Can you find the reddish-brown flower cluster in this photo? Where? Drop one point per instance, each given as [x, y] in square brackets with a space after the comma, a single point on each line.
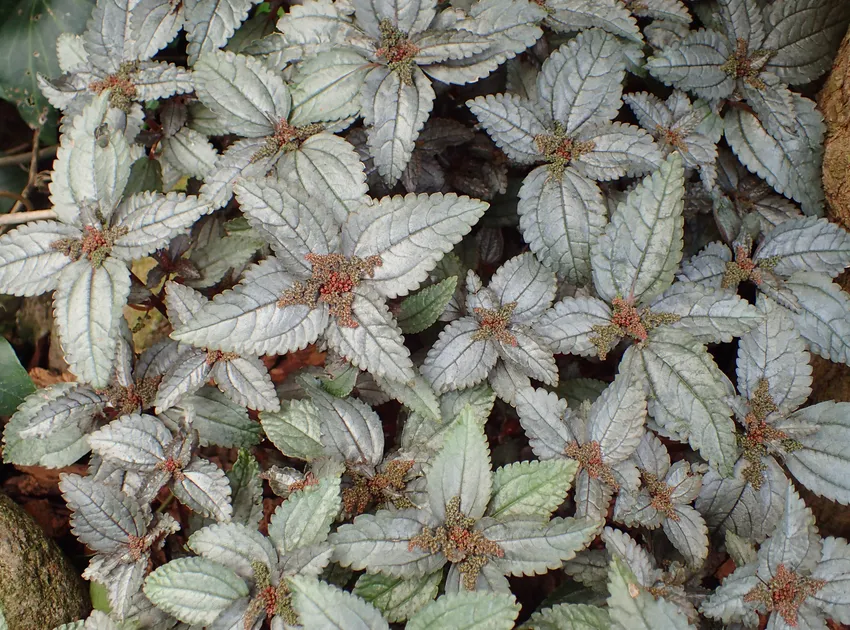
[589, 458]
[785, 593]
[493, 323]
[333, 282]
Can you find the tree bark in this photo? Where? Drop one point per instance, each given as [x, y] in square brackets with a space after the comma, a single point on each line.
[39, 589]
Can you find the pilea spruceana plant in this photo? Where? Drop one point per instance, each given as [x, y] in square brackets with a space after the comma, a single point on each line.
[482, 314]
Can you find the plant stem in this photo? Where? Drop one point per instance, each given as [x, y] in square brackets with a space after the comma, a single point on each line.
[24, 217]
[23, 158]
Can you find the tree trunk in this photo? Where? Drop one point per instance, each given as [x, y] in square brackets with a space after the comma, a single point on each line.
[39, 589]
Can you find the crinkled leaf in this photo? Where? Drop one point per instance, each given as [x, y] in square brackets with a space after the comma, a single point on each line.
[92, 164]
[512, 122]
[533, 546]
[376, 344]
[632, 607]
[822, 319]
[328, 166]
[687, 393]
[709, 315]
[351, 430]
[461, 469]
[806, 244]
[394, 112]
[246, 95]
[637, 256]
[396, 597]
[327, 86]
[688, 533]
[568, 326]
[823, 462]
[87, 306]
[305, 518]
[572, 616]
[103, 517]
[410, 234]
[545, 417]
[320, 605]
[152, 220]
[618, 415]
[530, 488]
[195, 590]
[804, 35]
[295, 430]
[457, 359]
[134, 442]
[581, 82]
[775, 352]
[791, 165]
[467, 611]
[204, 489]
[248, 320]
[694, 65]
[210, 23]
[561, 218]
[29, 265]
[235, 546]
[422, 309]
[380, 542]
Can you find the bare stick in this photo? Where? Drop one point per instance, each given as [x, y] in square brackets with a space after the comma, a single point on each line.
[24, 217]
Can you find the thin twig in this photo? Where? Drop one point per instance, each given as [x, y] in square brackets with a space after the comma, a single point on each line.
[20, 200]
[31, 177]
[24, 217]
[23, 158]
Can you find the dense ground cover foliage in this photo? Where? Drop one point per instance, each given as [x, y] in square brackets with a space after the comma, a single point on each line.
[558, 269]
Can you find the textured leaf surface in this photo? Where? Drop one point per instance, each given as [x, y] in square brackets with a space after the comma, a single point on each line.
[296, 430]
[774, 351]
[376, 344]
[581, 82]
[102, 516]
[545, 417]
[194, 590]
[320, 605]
[461, 469]
[694, 65]
[823, 464]
[561, 219]
[397, 598]
[394, 112]
[210, 23]
[791, 165]
[29, 265]
[687, 395]
[709, 315]
[533, 547]
[381, 542]
[246, 95]
[530, 488]
[512, 122]
[637, 256]
[87, 307]
[410, 234]
[641, 610]
[421, 310]
[458, 360]
[807, 244]
[467, 611]
[247, 319]
[804, 35]
[822, 318]
[305, 518]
